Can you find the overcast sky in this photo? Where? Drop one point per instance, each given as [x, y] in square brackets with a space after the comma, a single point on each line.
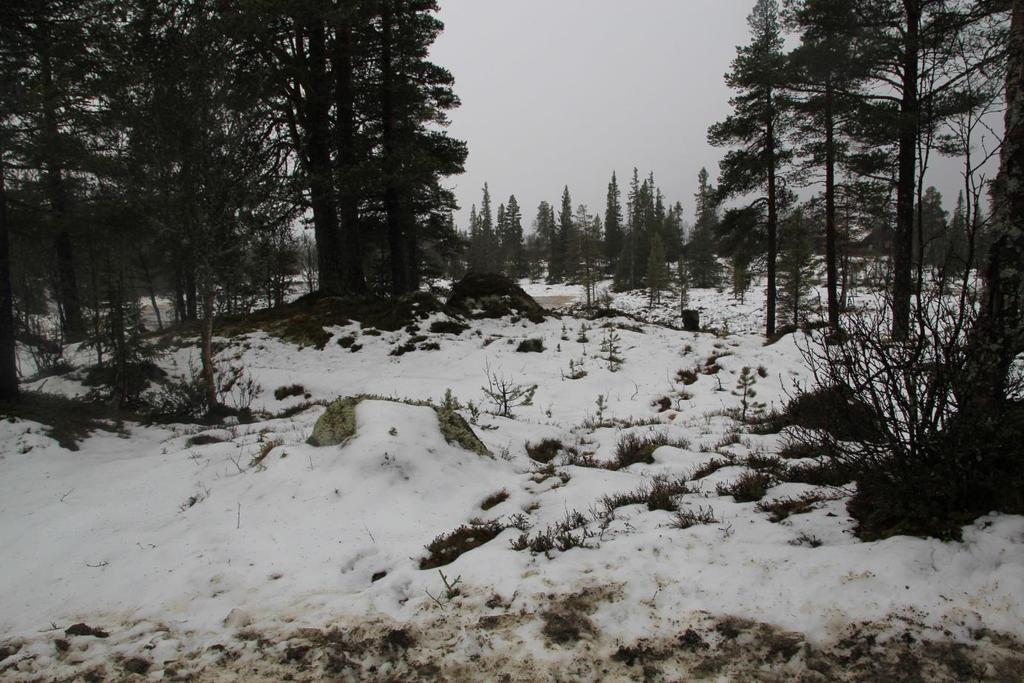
[558, 92]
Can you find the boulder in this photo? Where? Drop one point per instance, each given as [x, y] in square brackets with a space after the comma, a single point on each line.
[338, 424]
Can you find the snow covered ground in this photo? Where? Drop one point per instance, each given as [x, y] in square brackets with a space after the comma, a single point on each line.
[259, 557]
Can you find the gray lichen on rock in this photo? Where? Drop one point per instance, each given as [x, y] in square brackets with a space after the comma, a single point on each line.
[456, 430]
[338, 424]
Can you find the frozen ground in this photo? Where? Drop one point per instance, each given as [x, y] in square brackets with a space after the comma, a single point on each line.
[200, 563]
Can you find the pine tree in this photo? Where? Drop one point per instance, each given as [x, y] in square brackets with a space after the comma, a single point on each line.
[796, 266]
[544, 232]
[931, 240]
[740, 275]
[8, 352]
[518, 266]
[997, 338]
[613, 225]
[827, 73]
[756, 127]
[413, 96]
[626, 273]
[657, 273]
[702, 262]
[560, 241]
[503, 253]
[683, 280]
[488, 236]
[588, 231]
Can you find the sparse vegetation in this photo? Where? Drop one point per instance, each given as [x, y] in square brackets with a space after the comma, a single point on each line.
[748, 487]
[783, 508]
[633, 448]
[506, 394]
[447, 548]
[544, 451]
[494, 500]
[686, 518]
[531, 346]
[571, 532]
[283, 392]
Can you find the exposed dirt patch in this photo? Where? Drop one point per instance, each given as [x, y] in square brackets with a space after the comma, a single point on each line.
[457, 643]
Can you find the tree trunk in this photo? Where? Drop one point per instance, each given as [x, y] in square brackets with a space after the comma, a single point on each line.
[67, 285]
[830, 208]
[773, 232]
[191, 295]
[318, 158]
[209, 374]
[999, 336]
[353, 277]
[147, 273]
[903, 239]
[8, 349]
[393, 201]
[179, 295]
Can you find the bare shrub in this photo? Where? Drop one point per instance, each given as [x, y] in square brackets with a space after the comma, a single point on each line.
[895, 422]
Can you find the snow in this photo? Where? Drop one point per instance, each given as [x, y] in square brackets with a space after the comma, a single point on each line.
[176, 548]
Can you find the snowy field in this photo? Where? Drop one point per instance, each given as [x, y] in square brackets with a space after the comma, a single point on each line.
[259, 557]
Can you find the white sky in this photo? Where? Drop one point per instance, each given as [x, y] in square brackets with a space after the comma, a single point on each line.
[558, 92]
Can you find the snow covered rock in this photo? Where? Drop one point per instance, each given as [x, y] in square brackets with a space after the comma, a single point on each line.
[338, 424]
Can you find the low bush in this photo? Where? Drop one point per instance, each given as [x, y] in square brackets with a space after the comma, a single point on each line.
[494, 499]
[632, 448]
[545, 451]
[566, 534]
[824, 472]
[783, 508]
[284, 392]
[448, 327]
[447, 548]
[684, 519]
[797, 450]
[264, 451]
[687, 377]
[530, 346]
[748, 487]
[710, 467]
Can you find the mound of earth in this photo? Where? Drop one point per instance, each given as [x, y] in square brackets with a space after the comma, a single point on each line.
[338, 424]
[489, 295]
[303, 321]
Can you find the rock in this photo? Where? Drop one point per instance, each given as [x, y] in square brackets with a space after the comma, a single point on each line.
[456, 430]
[238, 618]
[338, 424]
[489, 295]
[691, 320]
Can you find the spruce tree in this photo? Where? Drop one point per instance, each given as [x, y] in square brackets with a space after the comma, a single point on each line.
[683, 281]
[828, 71]
[757, 127]
[518, 266]
[796, 266]
[657, 273]
[701, 258]
[560, 240]
[613, 225]
[502, 254]
[413, 96]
